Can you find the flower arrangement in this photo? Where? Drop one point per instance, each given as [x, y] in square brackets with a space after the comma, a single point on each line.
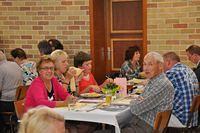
[111, 88]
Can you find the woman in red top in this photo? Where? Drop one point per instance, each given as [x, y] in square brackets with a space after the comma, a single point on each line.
[88, 82]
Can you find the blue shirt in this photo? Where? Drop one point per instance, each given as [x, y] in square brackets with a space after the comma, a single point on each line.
[184, 81]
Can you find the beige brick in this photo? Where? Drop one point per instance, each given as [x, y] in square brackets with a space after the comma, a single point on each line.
[194, 25]
[186, 31]
[194, 14]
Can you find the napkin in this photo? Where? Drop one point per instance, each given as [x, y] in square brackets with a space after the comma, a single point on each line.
[72, 80]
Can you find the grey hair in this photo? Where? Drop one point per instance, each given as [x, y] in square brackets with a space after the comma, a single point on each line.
[155, 55]
[2, 56]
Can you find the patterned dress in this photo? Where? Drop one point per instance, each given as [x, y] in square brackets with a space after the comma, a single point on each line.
[128, 71]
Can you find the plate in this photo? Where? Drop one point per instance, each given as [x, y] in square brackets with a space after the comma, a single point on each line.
[136, 81]
[91, 95]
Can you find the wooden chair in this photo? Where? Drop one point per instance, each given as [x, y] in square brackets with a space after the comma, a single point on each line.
[9, 121]
[19, 108]
[161, 121]
[21, 92]
[195, 107]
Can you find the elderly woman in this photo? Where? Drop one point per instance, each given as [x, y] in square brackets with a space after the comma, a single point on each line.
[45, 89]
[62, 73]
[28, 68]
[131, 67]
[42, 120]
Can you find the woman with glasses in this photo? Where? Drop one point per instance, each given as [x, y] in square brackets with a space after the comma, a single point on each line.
[45, 89]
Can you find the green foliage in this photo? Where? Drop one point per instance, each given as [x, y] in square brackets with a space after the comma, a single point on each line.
[110, 88]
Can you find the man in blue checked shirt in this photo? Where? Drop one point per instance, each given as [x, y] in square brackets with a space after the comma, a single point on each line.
[185, 84]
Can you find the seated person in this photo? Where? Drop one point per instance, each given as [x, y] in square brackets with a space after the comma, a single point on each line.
[44, 48]
[157, 97]
[88, 83]
[185, 85]
[131, 67]
[42, 120]
[63, 75]
[55, 44]
[45, 89]
[28, 68]
[193, 53]
[10, 80]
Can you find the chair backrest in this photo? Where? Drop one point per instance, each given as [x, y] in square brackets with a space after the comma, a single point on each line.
[19, 108]
[195, 104]
[161, 121]
[21, 92]
[195, 107]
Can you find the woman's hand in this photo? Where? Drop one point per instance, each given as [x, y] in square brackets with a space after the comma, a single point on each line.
[96, 88]
[109, 80]
[71, 100]
[70, 73]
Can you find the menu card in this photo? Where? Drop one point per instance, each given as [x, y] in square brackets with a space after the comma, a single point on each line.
[122, 82]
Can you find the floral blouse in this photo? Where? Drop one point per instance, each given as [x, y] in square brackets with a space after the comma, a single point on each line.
[29, 72]
[128, 71]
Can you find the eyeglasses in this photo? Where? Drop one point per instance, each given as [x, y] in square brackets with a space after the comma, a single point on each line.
[47, 68]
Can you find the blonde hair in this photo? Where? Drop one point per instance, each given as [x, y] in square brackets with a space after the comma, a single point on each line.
[39, 120]
[57, 53]
[43, 59]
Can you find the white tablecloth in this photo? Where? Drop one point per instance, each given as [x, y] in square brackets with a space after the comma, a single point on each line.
[99, 116]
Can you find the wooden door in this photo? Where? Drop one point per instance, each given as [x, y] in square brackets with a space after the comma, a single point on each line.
[115, 25]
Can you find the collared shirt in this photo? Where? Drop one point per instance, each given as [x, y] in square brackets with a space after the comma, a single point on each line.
[128, 71]
[184, 81]
[157, 97]
[10, 79]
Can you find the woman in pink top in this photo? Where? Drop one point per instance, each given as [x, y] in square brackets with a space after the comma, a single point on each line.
[45, 89]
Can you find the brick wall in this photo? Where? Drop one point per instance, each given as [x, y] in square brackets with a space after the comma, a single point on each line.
[23, 23]
[172, 25]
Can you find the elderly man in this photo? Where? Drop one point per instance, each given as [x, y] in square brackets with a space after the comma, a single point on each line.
[193, 53]
[184, 81]
[10, 79]
[158, 96]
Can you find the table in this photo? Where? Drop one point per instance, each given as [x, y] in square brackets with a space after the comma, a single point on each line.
[115, 118]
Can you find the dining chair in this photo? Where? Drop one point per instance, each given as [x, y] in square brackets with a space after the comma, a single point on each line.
[194, 108]
[21, 92]
[161, 121]
[8, 121]
[19, 108]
